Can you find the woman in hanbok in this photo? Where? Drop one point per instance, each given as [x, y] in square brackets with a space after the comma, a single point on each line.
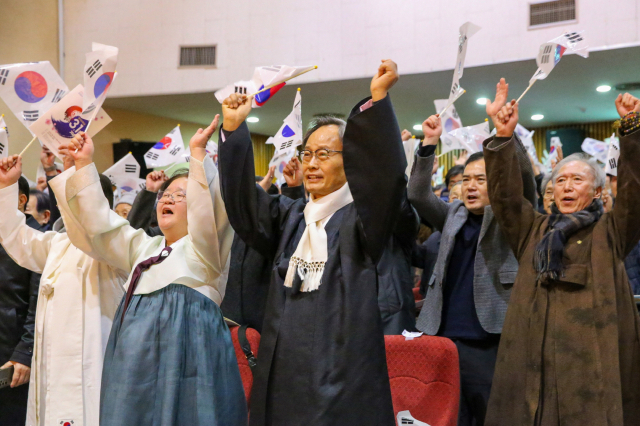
[170, 359]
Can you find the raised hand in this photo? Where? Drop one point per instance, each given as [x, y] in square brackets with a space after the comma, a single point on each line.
[41, 183]
[293, 172]
[47, 159]
[10, 170]
[504, 115]
[235, 109]
[627, 103]
[80, 149]
[405, 135]
[198, 143]
[385, 78]
[432, 129]
[462, 160]
[155, 180]
[265, 183]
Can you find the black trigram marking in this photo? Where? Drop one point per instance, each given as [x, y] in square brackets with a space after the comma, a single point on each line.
[142, 185]
[175, 150]
[4, 73]
[463, 40]
[31, 115]
[612, 163]
[546, 52]
[286, 144]
[406, 421]
[1, 148]
[152, 156]
[538, 73]
[57, 96]
[93, 69]
[89, 109]
[574, 37]
[455, 88]
[241, 90]
[129, 168]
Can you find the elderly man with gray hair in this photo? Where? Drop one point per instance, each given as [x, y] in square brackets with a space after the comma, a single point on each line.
[570, 348]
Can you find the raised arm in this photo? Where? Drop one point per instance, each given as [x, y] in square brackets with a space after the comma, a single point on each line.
[143, 206]
[514, 212]
[626, 211]
[374, 162]
[256, 216]
[26, 246]
[430, 207]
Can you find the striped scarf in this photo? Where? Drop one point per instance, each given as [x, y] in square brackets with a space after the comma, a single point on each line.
[547, 259]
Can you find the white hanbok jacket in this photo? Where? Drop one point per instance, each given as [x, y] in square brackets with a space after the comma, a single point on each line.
[77, 301]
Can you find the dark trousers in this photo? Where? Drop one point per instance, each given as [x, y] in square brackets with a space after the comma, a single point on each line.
[477, 364]
[13, 405]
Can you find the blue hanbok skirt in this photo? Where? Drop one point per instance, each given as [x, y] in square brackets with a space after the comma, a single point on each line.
[171, 362]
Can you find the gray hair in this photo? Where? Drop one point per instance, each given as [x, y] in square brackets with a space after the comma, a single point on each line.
[597, 171]
[324, 120]
[545, 181]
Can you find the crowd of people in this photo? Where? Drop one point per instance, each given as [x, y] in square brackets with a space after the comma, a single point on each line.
[113, 312]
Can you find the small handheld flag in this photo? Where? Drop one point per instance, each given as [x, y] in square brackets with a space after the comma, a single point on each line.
[167, 151]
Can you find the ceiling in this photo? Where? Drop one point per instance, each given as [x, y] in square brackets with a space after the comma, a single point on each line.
[568, 95]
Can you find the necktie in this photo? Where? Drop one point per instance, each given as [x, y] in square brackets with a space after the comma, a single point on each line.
[137, 273]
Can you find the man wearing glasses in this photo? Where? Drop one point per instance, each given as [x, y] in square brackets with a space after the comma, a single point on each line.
[322, 356]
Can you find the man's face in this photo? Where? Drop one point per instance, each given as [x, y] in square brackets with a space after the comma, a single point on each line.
[32, 209]
[324, 177]
[123, 210]
[453, 180]
[574, 187]
[455, 193]
[474, 187]
[548, 197]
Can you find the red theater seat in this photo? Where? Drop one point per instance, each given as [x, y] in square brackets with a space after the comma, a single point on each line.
[245, 371]
[425, 378]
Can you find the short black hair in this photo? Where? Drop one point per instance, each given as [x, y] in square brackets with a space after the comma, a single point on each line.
[107, 189]
[23, 188]
[476, 156]
[454, 171]
[42, 200]
[177, 176]
[321, 121]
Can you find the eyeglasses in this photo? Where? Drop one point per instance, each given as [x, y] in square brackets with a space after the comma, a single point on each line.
[176, 197]
[320, 154]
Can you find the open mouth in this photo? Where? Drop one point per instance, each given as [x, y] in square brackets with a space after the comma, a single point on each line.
[166, 211]
[313, 178]
[568, 200]
[472, 198]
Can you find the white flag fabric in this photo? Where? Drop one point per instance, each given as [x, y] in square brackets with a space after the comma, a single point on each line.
[280, 160]
[31, 89]
[613, 156]
[595, 148]
[167, 151]
[290, 133]
[65, 119]
[274, 75]
[439, 176]
[466, 30]
[410, 148]
[550, 53]
[122, 172]
[99, 73]
[212, 151]
[450, 119]
[405, 418]
[4, 138]
[469, 138]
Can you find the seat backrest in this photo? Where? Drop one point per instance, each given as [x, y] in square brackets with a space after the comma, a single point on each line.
[425, 378]
[245, 371]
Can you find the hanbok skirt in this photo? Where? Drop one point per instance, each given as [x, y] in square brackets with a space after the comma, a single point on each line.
[171, 362]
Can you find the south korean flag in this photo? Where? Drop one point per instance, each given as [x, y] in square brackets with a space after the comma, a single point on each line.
[167, 151]
[290, 133]
[99, 73]
[30, 89]
[4, 138]
[123, 171]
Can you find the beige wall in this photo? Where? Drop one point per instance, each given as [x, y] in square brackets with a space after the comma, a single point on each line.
[28, 33]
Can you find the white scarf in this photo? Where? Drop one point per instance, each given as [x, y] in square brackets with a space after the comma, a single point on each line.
[312, 252]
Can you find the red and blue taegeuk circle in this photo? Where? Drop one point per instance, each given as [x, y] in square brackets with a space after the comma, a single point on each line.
[102, 83]
[31, 87]
[163, 144]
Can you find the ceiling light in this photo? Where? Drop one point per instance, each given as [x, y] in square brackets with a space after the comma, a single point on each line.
[253, 119]
[417, 127]
[481, 101]
[603, 88]
[537, 117]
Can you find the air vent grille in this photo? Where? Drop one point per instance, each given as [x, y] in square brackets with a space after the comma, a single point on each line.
[198, 56]
[551, 12]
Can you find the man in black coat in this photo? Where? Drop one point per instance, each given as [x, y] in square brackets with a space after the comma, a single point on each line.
[322, 355]
[18, 297]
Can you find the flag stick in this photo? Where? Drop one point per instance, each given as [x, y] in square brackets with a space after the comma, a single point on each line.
[274, 85]
[28, 145]
[527, 89]
[451, 103]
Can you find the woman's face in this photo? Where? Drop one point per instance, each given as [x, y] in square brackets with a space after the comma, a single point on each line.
[172, 213]
[548, 197]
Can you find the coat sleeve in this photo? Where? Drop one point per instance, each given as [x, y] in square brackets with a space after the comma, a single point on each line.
[24, 350]
[53, 204]
[430, 207]
[514, 212]
[91, 224]
[26, 246]
[210, 233]
[257, 217]
[375, 163]
[529, 186]
[626, 211]
[140, 214]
